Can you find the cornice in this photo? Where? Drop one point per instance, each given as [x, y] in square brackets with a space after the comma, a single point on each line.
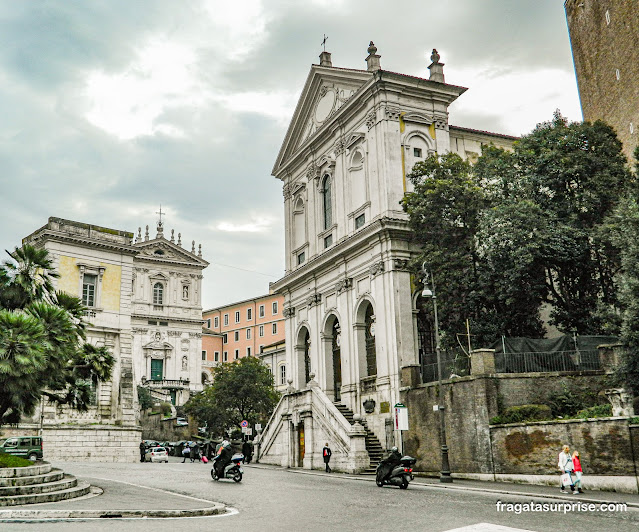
[166, 318]
[385, 227]
[51, 235]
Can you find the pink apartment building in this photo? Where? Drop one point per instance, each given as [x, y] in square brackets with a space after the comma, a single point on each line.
[241, 329]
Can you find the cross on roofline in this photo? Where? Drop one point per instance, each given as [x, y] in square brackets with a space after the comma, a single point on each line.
[160, 213]
[324, 41]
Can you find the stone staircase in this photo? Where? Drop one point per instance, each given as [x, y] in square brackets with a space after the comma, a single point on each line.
[374, 448]
[38, 483]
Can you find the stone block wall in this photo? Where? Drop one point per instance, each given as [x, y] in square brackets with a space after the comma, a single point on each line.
[470, 402]
[604, 445]
[155, 427]
[98, 443]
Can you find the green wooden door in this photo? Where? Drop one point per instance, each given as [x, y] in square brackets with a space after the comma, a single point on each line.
[156, 369]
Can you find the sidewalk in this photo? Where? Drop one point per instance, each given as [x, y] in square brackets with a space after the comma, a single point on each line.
[111, 499]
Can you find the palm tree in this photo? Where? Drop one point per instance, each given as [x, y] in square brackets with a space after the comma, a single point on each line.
[23, 364]
[30, 277]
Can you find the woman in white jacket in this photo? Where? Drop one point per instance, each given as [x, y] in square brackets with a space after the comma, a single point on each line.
[565, 466]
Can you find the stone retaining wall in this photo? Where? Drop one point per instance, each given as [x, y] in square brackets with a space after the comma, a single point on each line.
[99, 443]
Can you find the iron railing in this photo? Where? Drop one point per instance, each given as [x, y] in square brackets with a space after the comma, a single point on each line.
[454, 364]
[537, 362]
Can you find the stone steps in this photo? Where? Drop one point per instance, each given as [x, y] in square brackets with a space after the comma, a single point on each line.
[38, 483]
[53, 475]
[82, 488]
[374, 448]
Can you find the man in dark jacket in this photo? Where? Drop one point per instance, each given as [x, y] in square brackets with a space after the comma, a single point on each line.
[388, 463]
[142, 451]
[224, 458]
[326, 453]
[247, 451]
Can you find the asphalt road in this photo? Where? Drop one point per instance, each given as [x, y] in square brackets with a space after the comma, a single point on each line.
[273, 499]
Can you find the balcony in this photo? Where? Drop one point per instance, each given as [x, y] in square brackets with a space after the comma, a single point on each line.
[167, 384]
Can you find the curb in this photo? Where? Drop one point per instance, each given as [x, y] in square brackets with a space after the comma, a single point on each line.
[13, 515]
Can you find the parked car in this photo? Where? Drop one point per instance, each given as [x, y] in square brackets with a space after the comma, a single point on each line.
[29, 447]
[151, 443]
[156, 454]
[168, 446]
[181, 422]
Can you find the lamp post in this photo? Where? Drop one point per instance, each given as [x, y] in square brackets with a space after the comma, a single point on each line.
[426, 292]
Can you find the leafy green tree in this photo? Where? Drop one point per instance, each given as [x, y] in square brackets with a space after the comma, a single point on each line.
[523, 228]
[241, 390]
[42, 340]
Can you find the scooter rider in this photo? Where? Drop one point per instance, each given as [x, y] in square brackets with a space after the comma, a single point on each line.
[390, 462]
[225, 454]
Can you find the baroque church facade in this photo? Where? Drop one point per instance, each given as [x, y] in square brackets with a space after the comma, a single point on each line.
[349, 298]
[143, 302]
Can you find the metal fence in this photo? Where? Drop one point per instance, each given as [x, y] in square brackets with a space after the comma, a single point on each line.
[538, 362]
[454, 363]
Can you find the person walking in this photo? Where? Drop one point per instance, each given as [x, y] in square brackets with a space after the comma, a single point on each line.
[247, 451]
[576, 462]
[566, 467]
[142, 451]
[326, 453]
[186, 452]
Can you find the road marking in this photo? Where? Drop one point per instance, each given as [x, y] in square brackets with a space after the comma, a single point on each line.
[487, 527]
[154, 489]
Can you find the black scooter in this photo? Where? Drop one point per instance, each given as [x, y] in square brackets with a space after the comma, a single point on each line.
[232, 470]
[400, 475]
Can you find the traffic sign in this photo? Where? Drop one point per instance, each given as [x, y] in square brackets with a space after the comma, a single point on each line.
[244, 423]
[258, 427]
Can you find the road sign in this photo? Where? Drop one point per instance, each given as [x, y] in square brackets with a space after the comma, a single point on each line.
[244, 429]
[249, 432]
[244, 423]
[401, 417]
[258, 427]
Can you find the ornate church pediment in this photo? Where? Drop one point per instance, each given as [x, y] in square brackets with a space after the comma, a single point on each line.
[157, 350]
[321, 99]
[162, 250]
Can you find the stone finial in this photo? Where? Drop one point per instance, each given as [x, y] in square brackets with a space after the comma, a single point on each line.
[139, 237]
[193, 246]
[173, 235]
[199, 250]
[146, 234]
[436, 68]
[180, 239]
[372, 61]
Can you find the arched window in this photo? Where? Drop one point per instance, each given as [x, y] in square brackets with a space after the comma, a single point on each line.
[369, 335]
[307, 357]
[327, 204]
[283, 374]
[158, 294]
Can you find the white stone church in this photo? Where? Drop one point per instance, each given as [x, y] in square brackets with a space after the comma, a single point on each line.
[144, 303]
[349, 299]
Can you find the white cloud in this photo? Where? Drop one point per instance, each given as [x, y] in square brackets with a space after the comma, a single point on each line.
[518, 99]
[128, 104]
[258, 225]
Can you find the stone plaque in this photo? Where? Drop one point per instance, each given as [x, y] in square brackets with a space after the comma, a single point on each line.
[384, 407]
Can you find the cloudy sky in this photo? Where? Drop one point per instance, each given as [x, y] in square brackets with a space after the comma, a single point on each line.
[110, 108]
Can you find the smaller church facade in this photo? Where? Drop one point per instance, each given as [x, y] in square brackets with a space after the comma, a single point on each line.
[143, 303]
[349, 297]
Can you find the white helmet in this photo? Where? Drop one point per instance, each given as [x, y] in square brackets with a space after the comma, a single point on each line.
[394, 449]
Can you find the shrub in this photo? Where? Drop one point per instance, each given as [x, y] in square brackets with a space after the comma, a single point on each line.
[165, 408]
[567, 403]
[595, 411]
[8, 460]
[522, 414]
[144, 398]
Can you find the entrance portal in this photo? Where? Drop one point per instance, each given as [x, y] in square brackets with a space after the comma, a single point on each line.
[337, 361]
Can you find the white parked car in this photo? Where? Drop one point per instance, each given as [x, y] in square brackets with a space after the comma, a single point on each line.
[181, 422]
[156, 454]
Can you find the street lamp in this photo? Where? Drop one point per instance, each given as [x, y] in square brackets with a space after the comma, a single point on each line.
[430, 293]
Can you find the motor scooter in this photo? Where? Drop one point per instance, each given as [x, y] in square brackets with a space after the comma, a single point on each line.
[400, 475]
[232, 470]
